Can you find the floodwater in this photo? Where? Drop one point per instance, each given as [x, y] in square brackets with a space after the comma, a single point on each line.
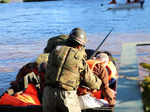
[26, 27]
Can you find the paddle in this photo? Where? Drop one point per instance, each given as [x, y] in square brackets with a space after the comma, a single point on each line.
[101, 44]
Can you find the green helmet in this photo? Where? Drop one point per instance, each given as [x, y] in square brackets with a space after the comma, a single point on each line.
[78, 35]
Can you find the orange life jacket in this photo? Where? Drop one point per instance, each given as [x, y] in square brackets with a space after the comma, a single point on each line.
[28, 97]
[111, 71]
[92, 63]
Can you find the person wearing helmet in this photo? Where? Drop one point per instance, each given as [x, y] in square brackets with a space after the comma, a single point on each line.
[60, 39]
[42, 59]
[78, 35]
[65, 70]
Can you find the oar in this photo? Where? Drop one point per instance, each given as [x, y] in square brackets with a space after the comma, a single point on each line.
[101, 44]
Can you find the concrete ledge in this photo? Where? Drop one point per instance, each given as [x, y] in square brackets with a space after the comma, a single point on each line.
[128, 91]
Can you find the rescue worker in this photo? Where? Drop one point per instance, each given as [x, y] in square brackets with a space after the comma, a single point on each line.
[66, 68]
[57, 40]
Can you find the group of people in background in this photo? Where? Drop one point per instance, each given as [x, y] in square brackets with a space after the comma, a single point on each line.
[127, 1]
[141, 2]
[63, 72]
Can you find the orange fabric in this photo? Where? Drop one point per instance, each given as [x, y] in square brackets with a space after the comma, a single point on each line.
[97, 94]
[82, 90]
[31, 90]
[6, 99]
[92, 63]
[110, 67]
[111, 71]
[29, 97]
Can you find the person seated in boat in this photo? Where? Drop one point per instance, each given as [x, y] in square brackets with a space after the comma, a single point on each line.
[26, 89]
[108, 62]
[32, 72]
[105, 92]
[19, 83]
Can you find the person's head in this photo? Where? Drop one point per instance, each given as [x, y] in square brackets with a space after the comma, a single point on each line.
[103, 58]
[78, 37]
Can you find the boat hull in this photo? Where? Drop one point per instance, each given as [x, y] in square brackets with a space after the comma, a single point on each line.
[7, 108]
[124, 6]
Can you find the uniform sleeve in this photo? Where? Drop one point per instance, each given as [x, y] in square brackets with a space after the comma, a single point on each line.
[52, 42]
[89, 78]
[50, 45]
[84, 53]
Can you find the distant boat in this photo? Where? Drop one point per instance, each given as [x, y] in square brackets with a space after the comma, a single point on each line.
[120, 6]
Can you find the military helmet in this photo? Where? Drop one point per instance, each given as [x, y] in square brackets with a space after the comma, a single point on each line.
[78, 35]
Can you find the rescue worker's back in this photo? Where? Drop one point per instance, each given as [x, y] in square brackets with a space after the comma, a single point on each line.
[65, 66]
[65, 70]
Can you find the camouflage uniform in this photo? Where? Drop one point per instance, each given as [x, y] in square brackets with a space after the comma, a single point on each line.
[42, 58]
[66, 68]
[52, 42]
[59, 40]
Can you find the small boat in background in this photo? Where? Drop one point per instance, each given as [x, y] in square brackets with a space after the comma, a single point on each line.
[113, 5]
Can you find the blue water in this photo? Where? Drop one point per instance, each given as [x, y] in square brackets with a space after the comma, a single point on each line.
[26, 27]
